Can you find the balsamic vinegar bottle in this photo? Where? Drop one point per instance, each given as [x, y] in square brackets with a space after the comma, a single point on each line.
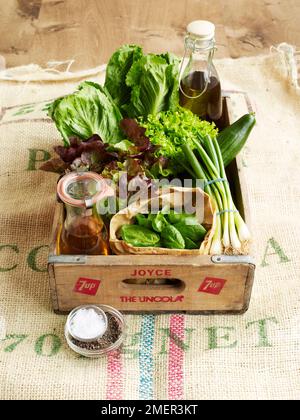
[200, 88]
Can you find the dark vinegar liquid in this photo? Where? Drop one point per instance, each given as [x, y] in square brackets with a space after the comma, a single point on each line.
[85, 238]
[209, 105]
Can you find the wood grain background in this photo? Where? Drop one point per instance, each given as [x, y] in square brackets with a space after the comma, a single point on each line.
[89, 30]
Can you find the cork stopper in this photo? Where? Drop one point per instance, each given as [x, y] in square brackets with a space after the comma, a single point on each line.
[201, 29]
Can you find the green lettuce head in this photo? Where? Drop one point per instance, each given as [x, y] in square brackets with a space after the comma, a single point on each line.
[88, 111]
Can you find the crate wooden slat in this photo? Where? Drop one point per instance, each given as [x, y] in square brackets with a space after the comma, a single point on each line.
[197, 285]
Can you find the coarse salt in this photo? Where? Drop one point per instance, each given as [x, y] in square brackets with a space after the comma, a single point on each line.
[87, 324]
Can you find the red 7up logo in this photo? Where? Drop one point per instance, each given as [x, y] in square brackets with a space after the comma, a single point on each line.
[87, 286]
[212, 286]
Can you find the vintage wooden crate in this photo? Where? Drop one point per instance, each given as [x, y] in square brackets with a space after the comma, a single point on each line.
[196, 285]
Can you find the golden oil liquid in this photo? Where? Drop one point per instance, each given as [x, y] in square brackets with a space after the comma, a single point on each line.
[209, 105]
[87, 236]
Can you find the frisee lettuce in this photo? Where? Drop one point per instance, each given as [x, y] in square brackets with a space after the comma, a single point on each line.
[171, 129]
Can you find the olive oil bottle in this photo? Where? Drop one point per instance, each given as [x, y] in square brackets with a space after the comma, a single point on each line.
[200, 87]
[83, 231]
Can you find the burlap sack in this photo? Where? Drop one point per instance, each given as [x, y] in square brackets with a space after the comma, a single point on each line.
[254, 356]
[172, 198]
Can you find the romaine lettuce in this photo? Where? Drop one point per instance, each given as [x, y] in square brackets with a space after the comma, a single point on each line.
[116, 72]
[153, 80]
[143, 84]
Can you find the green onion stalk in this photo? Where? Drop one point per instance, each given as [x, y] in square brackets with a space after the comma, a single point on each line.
[230, 235]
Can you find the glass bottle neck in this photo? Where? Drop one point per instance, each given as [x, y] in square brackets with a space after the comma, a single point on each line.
[201, 52]
[196, 45]
[72, 211]
[75, 216]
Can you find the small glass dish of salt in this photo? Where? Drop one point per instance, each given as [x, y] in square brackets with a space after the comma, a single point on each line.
[94, 330]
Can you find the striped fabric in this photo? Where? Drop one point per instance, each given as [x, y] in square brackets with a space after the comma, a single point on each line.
[115, 387]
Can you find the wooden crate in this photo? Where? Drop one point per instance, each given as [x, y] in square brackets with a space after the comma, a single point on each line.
[196, 285]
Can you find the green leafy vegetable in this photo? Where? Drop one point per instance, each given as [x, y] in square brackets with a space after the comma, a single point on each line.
[172, 238]
[143, 84]
[88, 111]
[153, 82]
[174, 217]
[189, 244]
[187, 233]
[159, 223]
[144, 221]
[125, 146]
[161, 169]
[173, 75]
[116, 72]
[139, 236]
[171, 130]
[191, 229]
[158, 245]
[135, 83]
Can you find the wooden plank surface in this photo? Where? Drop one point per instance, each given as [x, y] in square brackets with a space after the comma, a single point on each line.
[177, 297]
[89, 30]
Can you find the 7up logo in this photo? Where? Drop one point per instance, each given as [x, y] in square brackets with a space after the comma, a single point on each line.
[87, 286]
[212, 286]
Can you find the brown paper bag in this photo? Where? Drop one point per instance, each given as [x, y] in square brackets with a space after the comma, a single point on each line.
[171, 198]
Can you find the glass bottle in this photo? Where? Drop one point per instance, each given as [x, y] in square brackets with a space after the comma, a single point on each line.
[83, 231]
[200, 88]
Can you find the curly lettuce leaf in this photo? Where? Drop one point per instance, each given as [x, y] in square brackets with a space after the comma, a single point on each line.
[170, 130]
[116, 72]
[88, 111]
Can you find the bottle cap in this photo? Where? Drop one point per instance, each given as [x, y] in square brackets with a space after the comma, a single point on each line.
[202, 29]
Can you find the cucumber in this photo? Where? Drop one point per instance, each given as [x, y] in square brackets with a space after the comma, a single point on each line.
[233, 138]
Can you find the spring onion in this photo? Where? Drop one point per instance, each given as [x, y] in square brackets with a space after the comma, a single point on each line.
[231, 235]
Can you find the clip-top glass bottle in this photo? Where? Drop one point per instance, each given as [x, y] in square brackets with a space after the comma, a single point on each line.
[200, 88]
[83, 231]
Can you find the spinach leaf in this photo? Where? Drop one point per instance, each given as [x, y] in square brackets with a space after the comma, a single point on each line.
[158, 245]
[189, 244]
[172, 238]
[139, 236]
[159, 223]
[144, 221]
[191, 230]
[174, 217]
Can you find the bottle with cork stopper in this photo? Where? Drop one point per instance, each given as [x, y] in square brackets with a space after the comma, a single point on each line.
[200, 87]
